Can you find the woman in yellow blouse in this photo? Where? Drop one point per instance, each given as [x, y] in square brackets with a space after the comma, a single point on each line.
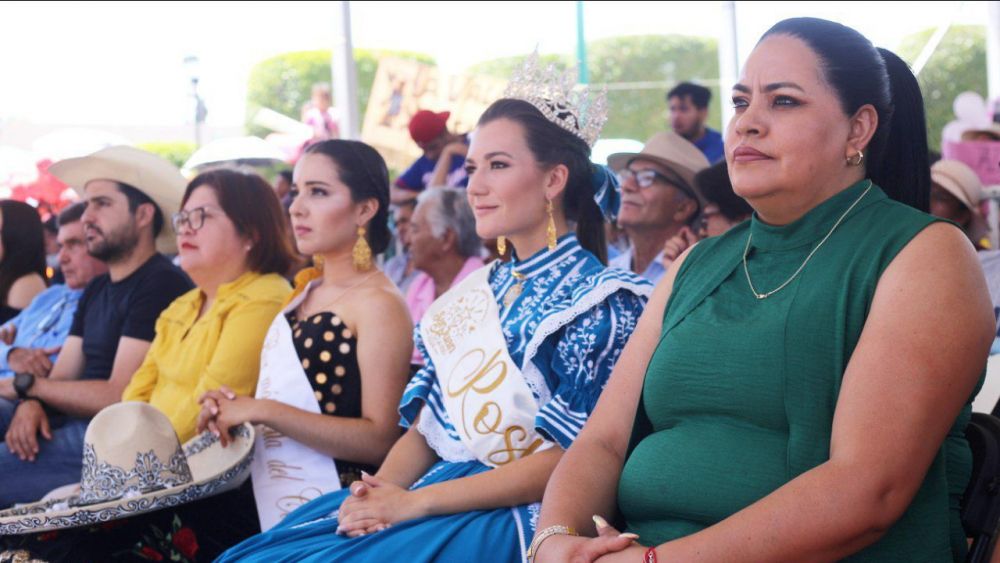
[233, 242]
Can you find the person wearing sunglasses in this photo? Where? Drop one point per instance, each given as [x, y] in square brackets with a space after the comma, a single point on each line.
[659, 199]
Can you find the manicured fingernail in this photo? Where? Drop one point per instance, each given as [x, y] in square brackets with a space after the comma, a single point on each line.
[215, 411]
[339, 530]
[600, 522]
[629, 535]
[365, 473]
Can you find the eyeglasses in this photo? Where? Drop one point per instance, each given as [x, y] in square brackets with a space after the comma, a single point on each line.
[646, 178]
[643, 178]
[194, 219]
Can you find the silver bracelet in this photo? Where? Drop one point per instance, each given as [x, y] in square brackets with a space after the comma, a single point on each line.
[558, 530]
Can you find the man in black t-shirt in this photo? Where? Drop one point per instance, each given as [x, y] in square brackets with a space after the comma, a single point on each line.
[130, 194]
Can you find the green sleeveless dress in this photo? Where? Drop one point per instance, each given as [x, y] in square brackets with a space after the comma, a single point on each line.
[740, 393]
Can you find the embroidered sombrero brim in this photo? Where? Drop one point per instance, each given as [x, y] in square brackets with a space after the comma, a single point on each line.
[214, 470]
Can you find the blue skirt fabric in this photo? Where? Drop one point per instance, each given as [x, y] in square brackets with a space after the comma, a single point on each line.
[309, 533]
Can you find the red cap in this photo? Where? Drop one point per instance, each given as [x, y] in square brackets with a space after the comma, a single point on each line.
[425, 126]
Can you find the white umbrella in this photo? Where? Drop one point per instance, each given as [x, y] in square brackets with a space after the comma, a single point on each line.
[252, 151]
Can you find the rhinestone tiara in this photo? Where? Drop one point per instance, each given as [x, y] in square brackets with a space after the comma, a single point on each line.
[577, 109]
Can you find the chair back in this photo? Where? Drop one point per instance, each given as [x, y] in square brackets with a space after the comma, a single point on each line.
[981, 501]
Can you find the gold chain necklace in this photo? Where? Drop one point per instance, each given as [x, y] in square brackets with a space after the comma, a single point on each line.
[515, 290]
[746, 251]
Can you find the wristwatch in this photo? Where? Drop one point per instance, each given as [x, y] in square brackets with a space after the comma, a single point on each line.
[22, 384]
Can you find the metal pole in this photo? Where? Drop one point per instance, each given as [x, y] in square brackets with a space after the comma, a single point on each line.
[581, 46]
[345, 74]
[993, 50]
[729, 61]
[197, 113]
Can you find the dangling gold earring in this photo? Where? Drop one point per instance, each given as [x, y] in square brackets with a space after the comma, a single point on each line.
[501, 245]
[362, 253]
[318, 262]
[550, 232]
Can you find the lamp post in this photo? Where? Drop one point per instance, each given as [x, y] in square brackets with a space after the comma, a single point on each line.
[191, 63]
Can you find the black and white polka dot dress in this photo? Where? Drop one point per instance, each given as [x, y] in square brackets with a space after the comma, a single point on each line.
[329, 356]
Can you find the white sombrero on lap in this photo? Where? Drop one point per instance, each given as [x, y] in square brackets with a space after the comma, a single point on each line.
[133, 463]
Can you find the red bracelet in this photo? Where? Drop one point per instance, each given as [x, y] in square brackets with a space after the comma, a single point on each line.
[650, 556]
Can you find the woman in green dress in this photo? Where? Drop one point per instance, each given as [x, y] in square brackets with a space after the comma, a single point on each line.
[800, 384]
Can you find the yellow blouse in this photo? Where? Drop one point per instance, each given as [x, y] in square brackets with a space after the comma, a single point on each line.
[191, 355]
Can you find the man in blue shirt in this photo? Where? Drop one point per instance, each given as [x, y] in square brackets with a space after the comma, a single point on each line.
[30, 342]
[443, 161]
[688, 113]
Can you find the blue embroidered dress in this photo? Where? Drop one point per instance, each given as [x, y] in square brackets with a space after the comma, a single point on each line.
[566, 331]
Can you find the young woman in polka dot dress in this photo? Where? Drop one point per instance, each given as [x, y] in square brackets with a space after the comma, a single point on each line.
[346, 326]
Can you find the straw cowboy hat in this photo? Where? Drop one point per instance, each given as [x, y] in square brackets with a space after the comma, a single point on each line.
[960, 181]
[673, 151]
[133, 463]
[150, 174]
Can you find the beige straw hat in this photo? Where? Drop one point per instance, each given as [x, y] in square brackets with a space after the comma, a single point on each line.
[673, 151]
[148, 173]
[133, 463]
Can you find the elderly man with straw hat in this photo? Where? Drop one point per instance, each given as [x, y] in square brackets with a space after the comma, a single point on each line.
[130, 196]
[659, 200]
[955, 194]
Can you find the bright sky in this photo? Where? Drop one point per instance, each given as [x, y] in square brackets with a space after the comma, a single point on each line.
[121, 63]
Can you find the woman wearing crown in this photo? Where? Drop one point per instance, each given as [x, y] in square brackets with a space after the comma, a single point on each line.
[517, 354]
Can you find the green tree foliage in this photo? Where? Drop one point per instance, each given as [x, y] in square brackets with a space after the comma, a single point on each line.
[660, 61]
[177, 152]
[284, 82]
[639, 71]
[957, 65]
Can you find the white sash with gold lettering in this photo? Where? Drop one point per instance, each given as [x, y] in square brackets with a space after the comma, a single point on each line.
[286, 474]
[489, 403]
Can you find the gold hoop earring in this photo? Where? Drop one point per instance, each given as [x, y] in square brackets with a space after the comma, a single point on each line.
[550, 232]
[362, 253]
[501, 245]
[856, 160]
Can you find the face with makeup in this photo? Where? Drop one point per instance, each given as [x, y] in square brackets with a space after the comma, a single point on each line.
[325, 217]
[788, 140]
[507, 186]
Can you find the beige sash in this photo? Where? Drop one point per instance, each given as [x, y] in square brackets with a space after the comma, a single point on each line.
[484, 392]
[286, 474]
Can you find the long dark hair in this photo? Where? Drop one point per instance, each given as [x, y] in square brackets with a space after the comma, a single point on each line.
[23, 242]
[896, 157]
[253, 207]
[552, 145]
[362, 169]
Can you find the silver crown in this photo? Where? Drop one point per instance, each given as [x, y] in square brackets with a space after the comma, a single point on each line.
[577, 109]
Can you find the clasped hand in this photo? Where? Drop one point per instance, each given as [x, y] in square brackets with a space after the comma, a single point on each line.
[222, 409]
[609, 546]
[376, 504]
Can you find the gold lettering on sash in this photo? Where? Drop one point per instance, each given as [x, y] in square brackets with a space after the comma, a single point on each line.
[476, 376]
[272, 438]
[289, 503]
[277, 469]
[510, 451]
